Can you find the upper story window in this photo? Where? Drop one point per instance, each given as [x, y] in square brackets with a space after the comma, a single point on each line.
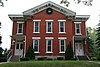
[19, 27]
[36, 26]
[61, 26]
[77, 28]
[49, 26]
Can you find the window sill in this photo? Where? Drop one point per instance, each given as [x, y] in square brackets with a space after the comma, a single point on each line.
[61, 52]
[36, 52]
[49, 32]
[49, 52]
[78, 34]
[36, 32]
[19, 33]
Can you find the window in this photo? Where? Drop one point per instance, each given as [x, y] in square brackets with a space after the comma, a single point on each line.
[77, 29]
[61, 26]
[20, 28]
[49, 27]
[62, 45]
[36, 26]
[49, 46]
[36, 45]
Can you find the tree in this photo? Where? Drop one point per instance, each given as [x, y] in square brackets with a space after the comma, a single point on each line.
[98, 41]
[85, 2]
[30, 53]
[69, 52]
[2, 3]
[91, 41]
[1, 50]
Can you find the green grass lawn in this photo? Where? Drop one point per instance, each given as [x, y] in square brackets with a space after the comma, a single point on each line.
[53, 63]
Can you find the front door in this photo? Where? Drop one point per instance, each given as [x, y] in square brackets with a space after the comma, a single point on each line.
[19, 49]
[79, 49]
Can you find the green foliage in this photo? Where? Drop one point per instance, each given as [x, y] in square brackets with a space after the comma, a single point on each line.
[1, 50]
[30, 53]
[98, 42]
[91, 41]
[69, 52]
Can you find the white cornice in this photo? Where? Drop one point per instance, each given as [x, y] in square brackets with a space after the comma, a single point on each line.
[46, 5]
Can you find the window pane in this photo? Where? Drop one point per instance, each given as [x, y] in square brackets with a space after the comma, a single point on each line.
[36, 27]
[21, 46]
[49, 27]
[61, 26]
[49, 43]
[78, 28]
[17, 46]
[36, 43]
[62, 45]
[20, 28]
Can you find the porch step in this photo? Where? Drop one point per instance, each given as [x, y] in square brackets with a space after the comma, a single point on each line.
[82, 58]
[15, 58]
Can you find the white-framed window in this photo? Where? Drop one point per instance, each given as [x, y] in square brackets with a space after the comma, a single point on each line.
[49, 43]
[36, 26]
[61, 26]
[36, 45]
[62, 44]
[19, 28]
[49, 27]
[78, 28]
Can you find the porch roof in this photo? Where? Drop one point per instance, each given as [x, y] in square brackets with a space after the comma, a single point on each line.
[79, 37]
[18, 37]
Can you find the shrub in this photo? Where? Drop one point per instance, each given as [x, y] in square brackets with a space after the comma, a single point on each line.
[69, 52]
[30, 53]
[3, 59]
[49, 59]
[60, 58]
[25, 59]
[42, 58]
[93, 58]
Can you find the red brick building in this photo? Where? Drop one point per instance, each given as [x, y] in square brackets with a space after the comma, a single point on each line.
[49, 28]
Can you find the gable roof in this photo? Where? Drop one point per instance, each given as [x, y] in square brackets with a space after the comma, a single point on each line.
[52, 5]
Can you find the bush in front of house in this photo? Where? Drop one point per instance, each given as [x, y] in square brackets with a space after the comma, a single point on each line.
[3, 59]
[69, 52]
[25, 59]
[60, 58]
[42, 58]
[30, 53]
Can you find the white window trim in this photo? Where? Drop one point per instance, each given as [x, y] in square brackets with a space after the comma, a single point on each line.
[18, 28]
[78, 22]
[63, 38]
[60, 45]
[36, 20]
[64, 27]
[80, 29]
[49, 37]
[61, 20]
[36, 38]
[38, 28]
[20, 22]
[38, 45]
[47, 45]
[49, 20]
[47, 27]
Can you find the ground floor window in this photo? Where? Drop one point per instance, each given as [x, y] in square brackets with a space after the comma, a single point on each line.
[36, 45]
[49, 45]
[62, 45]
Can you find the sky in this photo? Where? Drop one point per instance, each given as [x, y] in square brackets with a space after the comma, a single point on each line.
[19, 6]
